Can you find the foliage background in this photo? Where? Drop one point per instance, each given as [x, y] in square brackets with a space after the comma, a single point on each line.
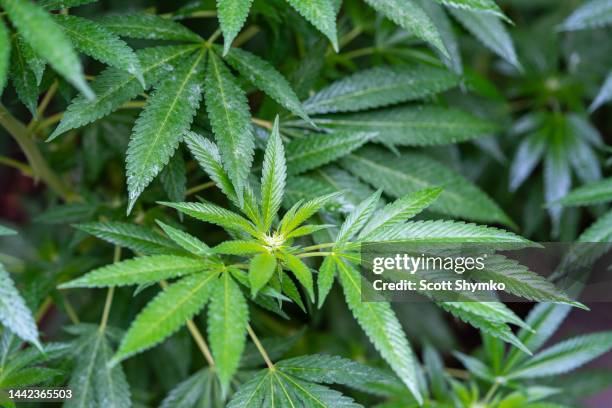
[537, 83]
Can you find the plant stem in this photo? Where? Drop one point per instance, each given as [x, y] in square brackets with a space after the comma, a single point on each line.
[39, 166]
[110, 293]
[311, 254]
[72, 315]
[491, 392]
[263, 123]
[200, 187]
[197, 336]
[260, 347]
[213, 37]
[319, 246]
[22, 167]
[246, 35]
[43, 106]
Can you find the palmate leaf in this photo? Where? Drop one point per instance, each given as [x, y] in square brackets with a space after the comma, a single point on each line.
[265, 77]
[490, 31]
[441, 21]
[300, 271]
[135, 237]
[114, 87]
[39, 30]
[273, 177]
[232, 14]
[604, 95]
[315, 149]
[519, 280]
[230, 118]
[594, 193]
[261, 269]
[93, 381]
[14, 313]
[384, 223]
[208, 157]
[166, 313]
[184, 240]
[382, 327]
[95, 41]
[301, 212]
[592, 14]
[158, 130]
[215, 215]
[22, 77]
[322, 15]
[413, 171]
[413, 126]
[5, 53]
[380, 86]
[544, 320]
[357, 219]
[411, 17]
[482, 316]
[148, 27]
[145, 269]
[482, 6]
[228, 318]
[457, 231]
[565, 356]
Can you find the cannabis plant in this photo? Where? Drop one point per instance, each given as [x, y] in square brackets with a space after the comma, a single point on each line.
[208, 174]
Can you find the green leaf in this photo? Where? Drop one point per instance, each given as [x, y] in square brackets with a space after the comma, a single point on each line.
[314, 149]
[475, 366]
[239, 247]
[479, 6]
[325, 279]
[441, 21]
[5, 54]
[145, 269]
[158, 130]
[489, 30]
[186, 241]
[357, 219]
[301, 272]
[399, 176]
[519, 280]
[14, 313]
[228, 318]
[544, 320]
[408, 15]
[23, 78]
[457, 231]
[135, 237]
[36, 64]
[380, 86]
[174, 178]
[599, 231]
[300, 213]
[62, 4]
[413, 126]
[207, 155]
[384, 223]
[195, 390]
[528, 154]
[261, 269]
[6, 231]
[114, 87]
[565, 356]
[322, 15]
[166, 313]
[230, 119]
[592, 14]
[39, 30]
[265, 77]
[382, 327]
[594, 193]
[488, 317]
[273, 177]
[215, 215]
[148, 27]
[326, 369]
[604, 95]
[93, 381]
[232, 14]
[95, 41]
